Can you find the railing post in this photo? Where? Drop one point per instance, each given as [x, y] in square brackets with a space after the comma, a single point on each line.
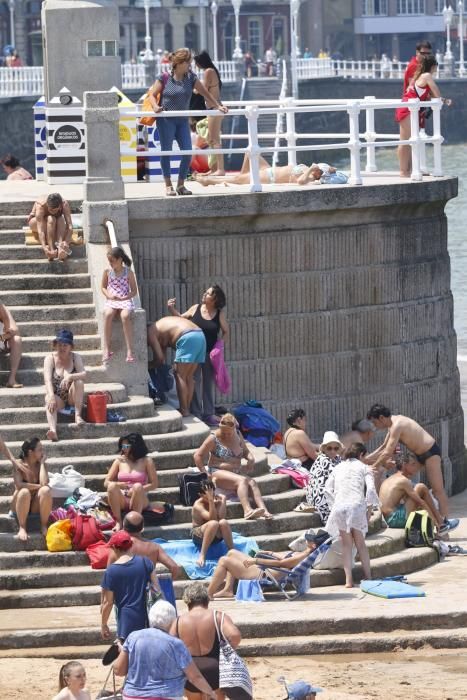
[414, 106]
[370, 137]
[423, 165]
[353, 110]
[437, 137]
[252, 114]
[290, 135]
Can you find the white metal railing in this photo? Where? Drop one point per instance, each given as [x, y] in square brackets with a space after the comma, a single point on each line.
[134, 75]
[227, 70]
[309, 68]
[350, 141]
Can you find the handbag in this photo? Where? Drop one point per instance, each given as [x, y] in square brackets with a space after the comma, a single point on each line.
[233, 671]
[96, 407]
[62, 484]
[98, 554]
[147, 106]
[113, 694]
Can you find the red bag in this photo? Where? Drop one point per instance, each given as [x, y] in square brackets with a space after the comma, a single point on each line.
[96, 407]
[85, 532]
[98, 553]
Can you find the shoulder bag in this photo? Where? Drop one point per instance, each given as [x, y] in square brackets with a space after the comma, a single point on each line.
[233, 671]
[147, 106]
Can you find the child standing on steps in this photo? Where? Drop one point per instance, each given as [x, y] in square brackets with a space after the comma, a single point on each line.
[119, 287]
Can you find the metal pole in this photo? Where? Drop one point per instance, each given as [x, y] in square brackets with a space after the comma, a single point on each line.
[460, 7]
[214, 29]
[11, 6]
[237, 54]
[294, 7]
[202, 26]
[148, 56]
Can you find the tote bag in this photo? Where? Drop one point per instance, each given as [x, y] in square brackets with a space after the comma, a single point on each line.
[64, 483]
[233, 672]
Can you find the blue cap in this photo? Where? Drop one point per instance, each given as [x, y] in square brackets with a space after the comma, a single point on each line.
[64, 336]
[299, 690]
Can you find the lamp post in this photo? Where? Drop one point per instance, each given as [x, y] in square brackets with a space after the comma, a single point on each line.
[11, 7]
[447, 17]
[148, 55]
[214, 8]
[202, 25]
[294, 8]
[237, 54]
[460, 31]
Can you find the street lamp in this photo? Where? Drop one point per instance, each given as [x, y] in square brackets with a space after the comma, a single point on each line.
[447, 17]
[148, 54]
[237, 54]
[11, 7]
[460, 31]
[294, 9]
[214, 8]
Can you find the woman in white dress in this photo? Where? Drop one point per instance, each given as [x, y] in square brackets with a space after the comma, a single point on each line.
[350, 507]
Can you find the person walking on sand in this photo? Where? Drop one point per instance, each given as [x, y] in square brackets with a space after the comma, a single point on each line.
[399, 497]
[119, 287]
[189, 343]
[50, 219]
[417, 440]
[10, 344]
[209, 521]
[351, 507]
[32, 491]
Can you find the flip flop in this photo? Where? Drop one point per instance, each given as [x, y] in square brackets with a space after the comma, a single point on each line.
[14, 386]
[254, 514]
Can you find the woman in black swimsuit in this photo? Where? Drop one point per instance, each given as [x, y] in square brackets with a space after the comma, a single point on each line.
[297, 444]
[210, 317]
[198, 631]
[64, 375]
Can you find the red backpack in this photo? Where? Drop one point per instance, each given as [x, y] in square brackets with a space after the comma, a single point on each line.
[85, 532]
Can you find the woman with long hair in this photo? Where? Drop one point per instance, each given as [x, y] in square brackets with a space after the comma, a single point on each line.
[213, 84]
[423, 88]
[72, 682]
[176, 93]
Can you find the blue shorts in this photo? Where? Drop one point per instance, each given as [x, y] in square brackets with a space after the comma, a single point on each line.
[398, 517]
[191, 347]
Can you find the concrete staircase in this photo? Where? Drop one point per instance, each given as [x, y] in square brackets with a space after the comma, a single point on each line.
[44, 297]
[258, 89]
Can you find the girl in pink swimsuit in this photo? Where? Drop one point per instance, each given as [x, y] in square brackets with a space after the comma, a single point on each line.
[119, 287]
[131, 477]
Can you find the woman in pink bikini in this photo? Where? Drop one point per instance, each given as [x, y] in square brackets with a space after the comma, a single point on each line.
[131, 477]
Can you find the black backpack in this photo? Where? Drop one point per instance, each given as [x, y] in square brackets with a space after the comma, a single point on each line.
[190, 486]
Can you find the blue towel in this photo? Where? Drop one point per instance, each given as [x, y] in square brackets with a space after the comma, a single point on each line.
[185, 553]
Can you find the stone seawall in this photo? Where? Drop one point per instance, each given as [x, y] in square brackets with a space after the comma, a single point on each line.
[336, 298]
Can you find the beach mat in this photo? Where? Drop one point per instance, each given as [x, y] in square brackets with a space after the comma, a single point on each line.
[390, 588]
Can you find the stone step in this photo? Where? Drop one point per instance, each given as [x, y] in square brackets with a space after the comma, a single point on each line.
[166, 422]
[46, 296]
[40, 330]
[32, 396]
[11, 235]
[166, 462]
[43, 344]
[137, 407]
[45, 281]
[43, 266]
[35, 360]
[24, 206]
[62, 314]
[283, 501]
[12, 222]
[191, 434]
[35, 377]
[90, 594]
[34, 252]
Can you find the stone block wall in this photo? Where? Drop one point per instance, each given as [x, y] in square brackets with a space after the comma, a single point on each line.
[336, 298]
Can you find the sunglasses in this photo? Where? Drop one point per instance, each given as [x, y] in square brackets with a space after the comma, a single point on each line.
[334, 448]
[425, 53]
[125, 446]
[227, 424]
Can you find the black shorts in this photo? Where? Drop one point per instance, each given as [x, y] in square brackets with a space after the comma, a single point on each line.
[434, 451]
[197, 537]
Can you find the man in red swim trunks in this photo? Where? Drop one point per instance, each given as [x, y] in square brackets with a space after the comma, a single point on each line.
[423, 48]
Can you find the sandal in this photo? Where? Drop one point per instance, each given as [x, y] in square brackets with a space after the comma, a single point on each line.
[130, 358]
[183, 190]
[106, 358]
[16, 385]
[254, 514]
[169, 191]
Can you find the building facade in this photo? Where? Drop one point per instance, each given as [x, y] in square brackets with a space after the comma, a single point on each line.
[357, 29]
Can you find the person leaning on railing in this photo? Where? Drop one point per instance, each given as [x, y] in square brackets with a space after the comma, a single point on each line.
[175, 93]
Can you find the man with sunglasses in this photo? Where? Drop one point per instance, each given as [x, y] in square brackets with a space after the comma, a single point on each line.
[423, 48]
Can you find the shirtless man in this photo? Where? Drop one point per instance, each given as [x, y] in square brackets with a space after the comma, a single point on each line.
[417, 440]
[188, 340]
[133, 523]
[50, 219]
[399, 497]
[11, 339]
[209, 521]
[32, 491]
[297, 444]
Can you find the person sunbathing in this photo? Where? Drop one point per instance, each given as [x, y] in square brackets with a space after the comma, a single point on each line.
[236, 565]
[301, 174]
[209, 521]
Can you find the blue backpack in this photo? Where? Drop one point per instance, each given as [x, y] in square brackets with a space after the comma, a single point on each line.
[257, 425]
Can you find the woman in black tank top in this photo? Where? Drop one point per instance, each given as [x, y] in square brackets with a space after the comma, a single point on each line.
[210, 317]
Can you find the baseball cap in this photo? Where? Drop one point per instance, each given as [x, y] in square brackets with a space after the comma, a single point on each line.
[121, 540]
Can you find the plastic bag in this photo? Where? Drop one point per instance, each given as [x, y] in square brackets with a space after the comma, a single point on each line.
[58, 536]
[63, 483]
